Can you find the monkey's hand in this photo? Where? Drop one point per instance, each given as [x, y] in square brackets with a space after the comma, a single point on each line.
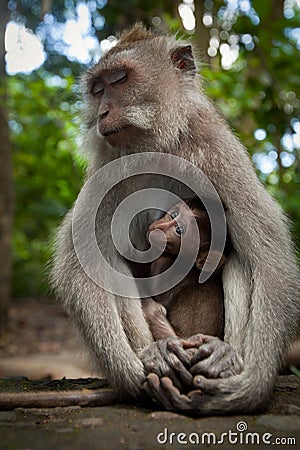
[215, 358]
[168, 358]
[207, 397]
[164, 392]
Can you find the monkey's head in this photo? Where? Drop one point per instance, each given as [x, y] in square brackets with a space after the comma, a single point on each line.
[176, 223]
[141, 88]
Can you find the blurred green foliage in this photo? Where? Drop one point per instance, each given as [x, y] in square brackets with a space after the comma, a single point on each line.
[48, 172]
[260, 91]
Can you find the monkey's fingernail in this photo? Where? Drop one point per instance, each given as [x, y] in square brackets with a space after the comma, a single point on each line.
[198, 381]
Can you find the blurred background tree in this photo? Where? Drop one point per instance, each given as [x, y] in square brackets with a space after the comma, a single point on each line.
[250, 65]
[6, 183]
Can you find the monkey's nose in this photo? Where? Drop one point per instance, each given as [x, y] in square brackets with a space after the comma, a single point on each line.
[164, 226]
[104, 114]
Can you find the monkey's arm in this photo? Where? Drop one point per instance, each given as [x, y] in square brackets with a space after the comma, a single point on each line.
[156, 317]
[167, 356]
[112, 341]
[200, 354]
[261, 289]
[260, 279]
[261, 286]
[114, 328]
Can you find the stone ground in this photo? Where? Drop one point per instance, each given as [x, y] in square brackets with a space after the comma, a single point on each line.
[40, 345]
[135, 428]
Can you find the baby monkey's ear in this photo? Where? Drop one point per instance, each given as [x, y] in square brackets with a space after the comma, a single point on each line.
[182, 58]
[203, 254]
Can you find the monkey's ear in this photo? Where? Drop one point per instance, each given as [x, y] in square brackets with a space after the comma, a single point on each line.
[182, 58]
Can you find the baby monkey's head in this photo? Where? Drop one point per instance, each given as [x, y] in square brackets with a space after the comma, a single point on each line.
[177, 223]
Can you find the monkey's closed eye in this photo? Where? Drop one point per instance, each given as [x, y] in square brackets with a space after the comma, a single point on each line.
[97, 87]
[118, 77]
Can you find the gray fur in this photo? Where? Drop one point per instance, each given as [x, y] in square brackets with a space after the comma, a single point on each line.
[261, 279]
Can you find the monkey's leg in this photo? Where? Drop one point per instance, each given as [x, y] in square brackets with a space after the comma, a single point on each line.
[260, 281]
[108, 324]
[114, 328]
[211, 398]
[215, 358]
[244, 392]
[156, 317]
[166, 357]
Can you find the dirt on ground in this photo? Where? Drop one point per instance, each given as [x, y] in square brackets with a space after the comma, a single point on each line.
[41, 343]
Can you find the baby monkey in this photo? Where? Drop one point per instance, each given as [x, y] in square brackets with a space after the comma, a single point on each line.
[189, 308]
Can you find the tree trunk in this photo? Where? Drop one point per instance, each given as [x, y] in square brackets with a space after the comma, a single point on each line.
[6, 183]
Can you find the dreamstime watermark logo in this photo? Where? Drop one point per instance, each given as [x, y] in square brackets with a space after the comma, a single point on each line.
[111, 200]
[240, 436]
[241, 426]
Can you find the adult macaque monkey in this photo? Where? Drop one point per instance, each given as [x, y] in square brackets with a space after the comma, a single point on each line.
[144, 95]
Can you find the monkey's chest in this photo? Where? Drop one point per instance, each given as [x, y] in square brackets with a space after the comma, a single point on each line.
[198, 309]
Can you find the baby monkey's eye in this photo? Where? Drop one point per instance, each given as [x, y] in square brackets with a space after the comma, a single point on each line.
[173, 214]
[179, 230]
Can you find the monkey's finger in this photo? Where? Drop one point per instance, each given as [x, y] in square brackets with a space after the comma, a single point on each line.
[151, 387]
[153, 380]
[207, 338]
[148, 390]
[209, 365]
[170, 366]
[201, 353]
[233, 367]
[195, 395]
[207, 386]
[193, 341]
[228, 372]
[181, 354]
[212, 365]
[177, 372]
[179, 401]
[154, 389]
[215, 353]
[207, 369]
[222, 363]
[191, 352]
[182, 373]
